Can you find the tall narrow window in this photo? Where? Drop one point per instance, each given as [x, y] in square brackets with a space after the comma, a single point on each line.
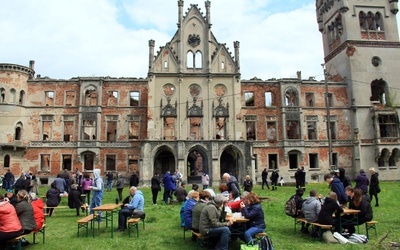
[2, 95]
[198, 60]
[291, 97]
[251, 121]
[330, 100]
[220, 124]
[6, 161]
[313, 160]
[45, 162]
[222, 65]
[67, 162]
[134, 127]
[310, 99]
[272, 161]
[112, 128]
[293, 159]
[388, 126]
[132, 163]
[21, 97]
[169, 128]
[90, 97]
[47, 127]
[69, 127]
[195, 128]
[88, 159]
[18, 132]
[378, 91]
[293, 129]
[249, 99]
[190, 60]
[111, 162]
[134, 100]
[70, 98]
[335, 161]
[333, 130]
[268, 99]
[89, 130]
[13, 95]
[112, 98]
[49, 98]
[312, 127]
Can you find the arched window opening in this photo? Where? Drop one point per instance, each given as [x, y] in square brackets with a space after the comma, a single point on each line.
[18, 132]
[90, 97]
[362, 20]
[378, 91]
[291, 97]
[21, 97]
[6, 161]
[13, 94]
[370, 21]
[198, 60]
[2, 95]
[222, 65]
[165, 64]
[190, 60]
[379, 21]
[394, 158]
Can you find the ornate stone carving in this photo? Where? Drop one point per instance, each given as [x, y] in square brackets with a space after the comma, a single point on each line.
[194, 40]
[168, 110]
[195, 110]
[220, 110]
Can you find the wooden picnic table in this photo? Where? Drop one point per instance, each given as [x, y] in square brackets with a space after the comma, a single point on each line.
[110, 209]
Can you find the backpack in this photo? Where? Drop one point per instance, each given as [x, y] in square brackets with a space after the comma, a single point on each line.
[290, 207]
[266, 243]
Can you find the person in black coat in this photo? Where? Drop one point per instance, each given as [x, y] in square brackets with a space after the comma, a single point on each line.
[358, 201]
[264, 177]
[362, 181]
[374, 188]
[20, 184]
[274, 179]
[329, 208]
[134, 180]
[75, 198]
[52, 198]
[344, 178]
[155, 187]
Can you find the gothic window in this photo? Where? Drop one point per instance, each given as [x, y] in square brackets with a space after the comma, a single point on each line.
[69, 98]
[394, 158]
[309, 99]
[194, 60]
[222, 65]
[362, 20]
[379, 21]
[45, 162]
[49, 98]
[6, 161]
[165, 64]
[21, 97]
[313, 160]
[169, 128]
[388, 126]
[2, 95]
[249, 99]
[383, 158]
[378, 91]
[291, 97]
[190, 60]
[67, 162]
[18, 131]
[91, 97]
[195, 128]
[13, 95]
[268, 98]
[371, 25]
[198, 63]
[134, 98]
[112, 98]
[111, 162]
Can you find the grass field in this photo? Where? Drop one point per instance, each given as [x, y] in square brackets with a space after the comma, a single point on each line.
[163, 229]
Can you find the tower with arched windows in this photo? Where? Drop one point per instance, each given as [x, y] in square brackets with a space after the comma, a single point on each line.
[361, 49]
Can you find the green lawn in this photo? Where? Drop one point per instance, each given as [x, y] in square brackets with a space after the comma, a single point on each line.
[163, 229]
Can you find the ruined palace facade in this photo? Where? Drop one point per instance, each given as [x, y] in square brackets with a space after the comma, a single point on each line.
[193, 112]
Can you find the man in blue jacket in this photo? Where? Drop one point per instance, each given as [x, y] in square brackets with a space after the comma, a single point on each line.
[336, 186]
[135, 206]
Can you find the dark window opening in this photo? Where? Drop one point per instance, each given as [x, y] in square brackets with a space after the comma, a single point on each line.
[313, 158]
[6, 161]
[249, 99]
[388, 127]
[293, 161]
[272, 161]
[67, 162]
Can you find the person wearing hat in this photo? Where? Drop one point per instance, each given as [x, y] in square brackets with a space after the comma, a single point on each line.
[11, 197]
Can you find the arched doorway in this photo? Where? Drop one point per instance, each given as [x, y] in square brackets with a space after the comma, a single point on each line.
[164, 160]
[197, 164]
[231, 162]
[88, 160]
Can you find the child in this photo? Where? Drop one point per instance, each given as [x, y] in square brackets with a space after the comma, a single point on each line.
[281, 181]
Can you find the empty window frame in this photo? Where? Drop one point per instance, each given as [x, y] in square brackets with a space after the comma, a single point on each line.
[195, 128]
[18, 131]
[378, 91]
[270, 122]
[335, 161]
[312, 127]
[272, 161]
[220, 128]
[291, 97]
[6, 161]
[47, 127]
[134, 127]
[45, 162]
[132, 163]
[251, 125]
[69, 122]
[90, 97]
[67, 162]
[88, 159]
[249, 99]
[49, 98]
[310, 100]
[293, 129]
[333, 130]
[198, 63]
[111, 162]
[313, 160]
[21, 97]
[70, 98]
[330, 100]
[370, 21]
[388, 126]
[190, 60]
[12, 95]
[169, 128]
[134, 98]
[112, 98]
[293, 160]
[268, 99]
[89, 130]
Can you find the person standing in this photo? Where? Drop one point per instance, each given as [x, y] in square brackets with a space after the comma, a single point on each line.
[110, 178]
[60, 183]
[34, 185]
[337, 187]
[374, 188]
[169, 186]
[8, 181]
[274, 179]
[155, 187]
[134, 180]
[297, 177]
[98, 191]
[205, 180]
[119, 185]
[86, 184]
[231, 182]
[248, 184]
[134, 207]
[362, 181]
[302, 178]
[264, 177]
[344, 178]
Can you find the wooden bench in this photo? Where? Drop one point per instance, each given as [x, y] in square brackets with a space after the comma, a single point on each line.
[17, 241]
[298, 220]
[84, 222]
[370, 225]
[133, 222]
[42, 230]
[200, 237]
[84, 207]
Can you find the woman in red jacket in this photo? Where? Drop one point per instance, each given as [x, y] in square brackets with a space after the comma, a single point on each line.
[37, 205]
[10, 227]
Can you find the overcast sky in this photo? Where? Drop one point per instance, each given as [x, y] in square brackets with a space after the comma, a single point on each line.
[69, 38]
